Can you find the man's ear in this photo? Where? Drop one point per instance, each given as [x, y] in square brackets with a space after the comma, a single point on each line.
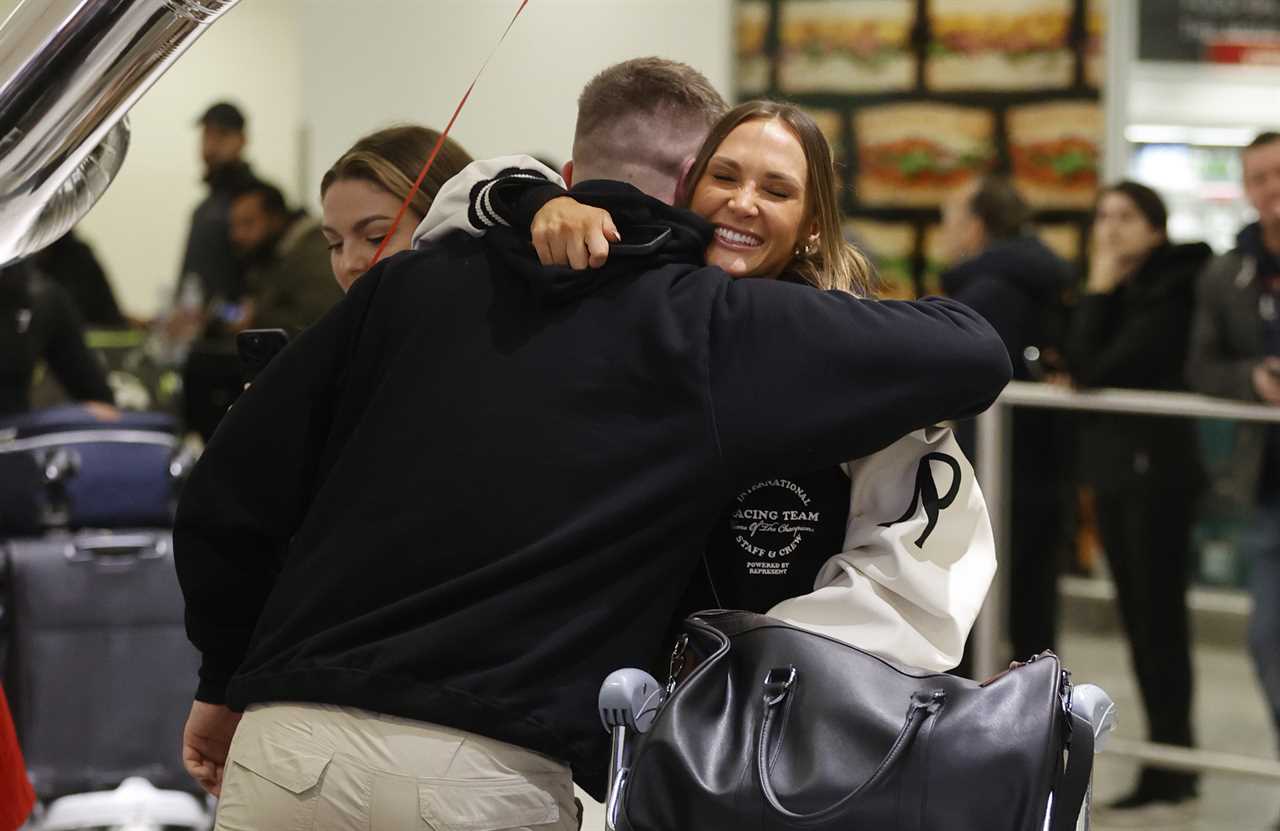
[566, 173]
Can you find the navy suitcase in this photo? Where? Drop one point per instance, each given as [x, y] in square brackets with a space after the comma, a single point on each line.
[64, 468]
[99, 672]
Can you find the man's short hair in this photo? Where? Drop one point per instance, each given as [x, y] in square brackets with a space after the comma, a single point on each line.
[270, 197]
[667, 92]
[999, 207]
[223, 115]
[1263, 139]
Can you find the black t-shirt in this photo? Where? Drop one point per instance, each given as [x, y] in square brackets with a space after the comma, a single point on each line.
[772, 541]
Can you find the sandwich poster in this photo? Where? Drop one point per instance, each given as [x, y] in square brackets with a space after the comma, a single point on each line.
[919, 97]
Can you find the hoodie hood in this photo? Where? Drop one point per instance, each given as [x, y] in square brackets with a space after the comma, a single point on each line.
[1024, 261]
[654, 234]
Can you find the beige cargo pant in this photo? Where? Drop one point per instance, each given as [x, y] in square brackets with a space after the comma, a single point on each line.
[296, 767]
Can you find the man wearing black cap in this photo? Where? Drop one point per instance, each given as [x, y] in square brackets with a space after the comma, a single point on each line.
[210, 264]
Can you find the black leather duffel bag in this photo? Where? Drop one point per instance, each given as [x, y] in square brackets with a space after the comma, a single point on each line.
[780, 728]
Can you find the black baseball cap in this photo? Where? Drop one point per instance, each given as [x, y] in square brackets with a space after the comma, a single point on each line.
[223, 114]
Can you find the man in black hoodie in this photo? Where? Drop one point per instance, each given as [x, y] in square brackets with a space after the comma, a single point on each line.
[477, 486]
[1013, 280]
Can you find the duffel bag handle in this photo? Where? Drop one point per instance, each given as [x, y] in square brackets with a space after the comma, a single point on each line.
[778, 685]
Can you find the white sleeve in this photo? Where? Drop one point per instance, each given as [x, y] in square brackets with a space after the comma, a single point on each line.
[462, 203]
[918, 556]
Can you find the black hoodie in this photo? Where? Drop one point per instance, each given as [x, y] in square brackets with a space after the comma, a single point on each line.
[473, 490]
[1017, 285]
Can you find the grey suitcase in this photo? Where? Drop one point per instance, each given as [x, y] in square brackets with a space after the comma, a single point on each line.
[99, 672]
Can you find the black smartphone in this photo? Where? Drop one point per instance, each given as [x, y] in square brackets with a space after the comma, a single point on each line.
[256, 348]
[640, 241]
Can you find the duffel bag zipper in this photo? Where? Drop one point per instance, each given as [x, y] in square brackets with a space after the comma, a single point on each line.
[1064, 696]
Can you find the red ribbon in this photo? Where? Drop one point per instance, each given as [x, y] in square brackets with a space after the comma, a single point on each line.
[404, 206]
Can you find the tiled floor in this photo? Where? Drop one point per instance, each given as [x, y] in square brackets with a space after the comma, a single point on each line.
[1229, 715]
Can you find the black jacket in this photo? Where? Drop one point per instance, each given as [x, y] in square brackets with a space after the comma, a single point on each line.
[70, 263]
[474, 488]
[209, 257]
[1137, 336]
[39, 323]
[1017, 285]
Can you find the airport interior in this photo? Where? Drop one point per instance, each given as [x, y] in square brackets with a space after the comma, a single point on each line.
[211, 392]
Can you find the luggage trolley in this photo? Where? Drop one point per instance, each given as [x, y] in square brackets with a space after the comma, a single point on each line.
[630, 699]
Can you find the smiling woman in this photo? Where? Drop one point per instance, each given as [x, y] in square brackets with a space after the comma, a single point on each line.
[364, 189]
[764, 177]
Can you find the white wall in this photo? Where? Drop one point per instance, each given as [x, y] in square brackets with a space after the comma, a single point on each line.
[138, 229]
[314, 75]
[527, 98]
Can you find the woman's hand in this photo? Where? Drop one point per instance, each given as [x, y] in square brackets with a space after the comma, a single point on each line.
[567, 233]
[1107, 268]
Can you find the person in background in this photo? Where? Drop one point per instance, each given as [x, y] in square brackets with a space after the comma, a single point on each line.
[1235, 353]
[362, 192]
[286, 256]
[71, 264]
[39, 323]
[211, 273]
[1002, 271]
[1131, 329]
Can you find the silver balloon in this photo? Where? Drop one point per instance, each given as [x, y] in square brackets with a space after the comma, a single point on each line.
[69, 71]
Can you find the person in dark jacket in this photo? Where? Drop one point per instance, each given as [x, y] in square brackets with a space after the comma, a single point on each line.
[210, 267]
[1002, 271]
[289, 284]
[71, 263]
[1131, 329]
[39, 323]
[345, 540]
[1235, 353]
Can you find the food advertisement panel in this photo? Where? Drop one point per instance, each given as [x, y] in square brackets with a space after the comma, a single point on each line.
[892, 247]
[847, 45]
[751, 47]
[920, 97]
[1054, 149]
[999, 44]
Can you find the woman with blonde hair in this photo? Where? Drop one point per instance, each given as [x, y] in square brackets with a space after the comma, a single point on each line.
[830, 550]
[363, 190]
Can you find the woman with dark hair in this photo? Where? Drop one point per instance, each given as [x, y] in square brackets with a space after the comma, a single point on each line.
[1131, 329]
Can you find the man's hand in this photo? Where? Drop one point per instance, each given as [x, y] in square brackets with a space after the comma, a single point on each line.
[566, 232]
[1266, 380]
[205, 742]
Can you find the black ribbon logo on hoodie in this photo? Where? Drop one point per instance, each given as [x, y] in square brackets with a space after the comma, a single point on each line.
[926, 494]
